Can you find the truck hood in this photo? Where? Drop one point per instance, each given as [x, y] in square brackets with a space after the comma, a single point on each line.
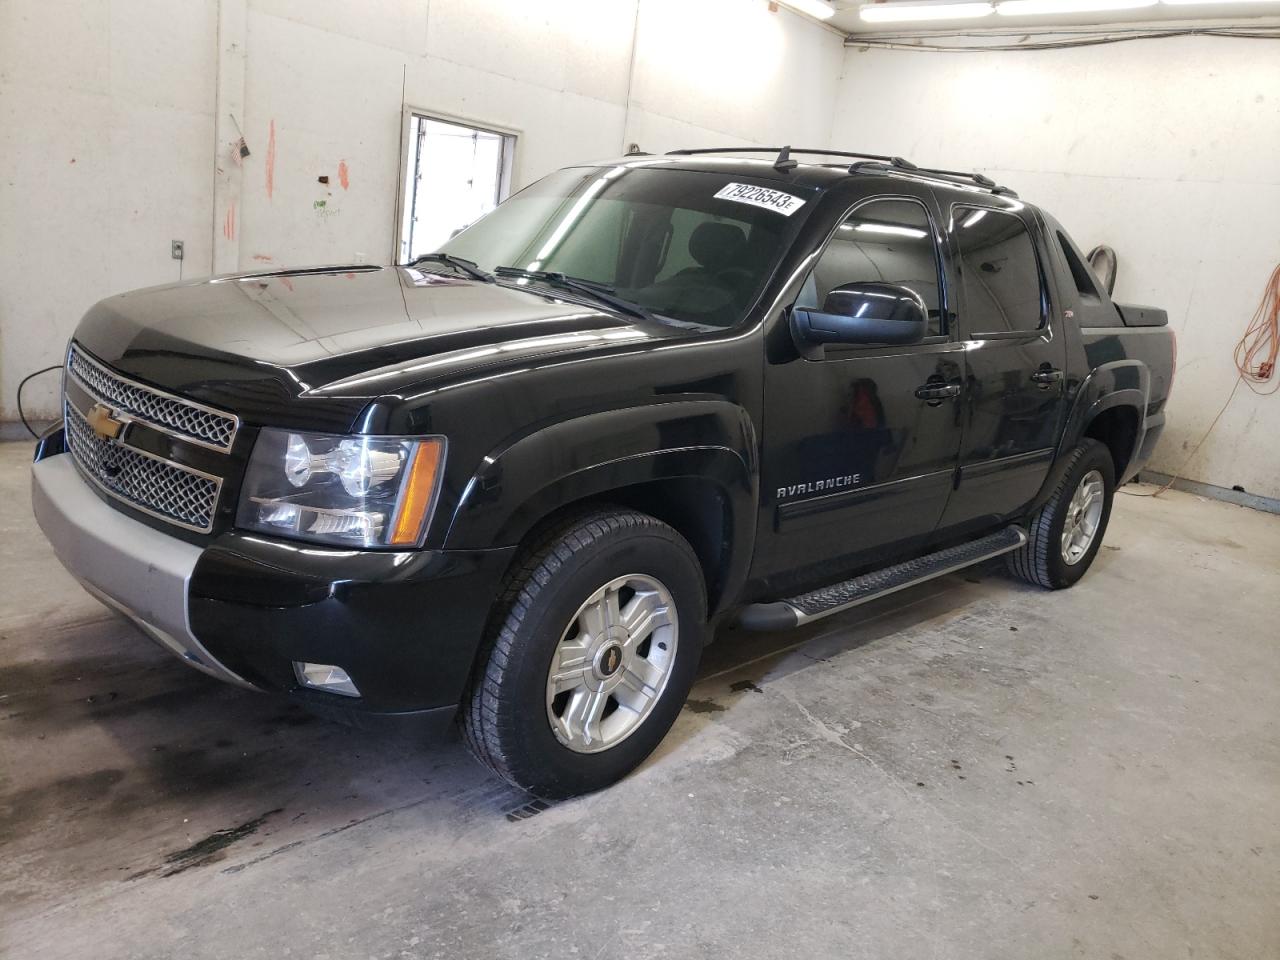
[341, 333]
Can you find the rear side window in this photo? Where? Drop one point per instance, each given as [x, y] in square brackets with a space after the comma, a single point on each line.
[1001, 275]
[890, 241]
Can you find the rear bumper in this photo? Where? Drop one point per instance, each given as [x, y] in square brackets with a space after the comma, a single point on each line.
[404, 625]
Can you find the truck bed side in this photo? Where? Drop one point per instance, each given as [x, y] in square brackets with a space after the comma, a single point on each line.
[1121, 362]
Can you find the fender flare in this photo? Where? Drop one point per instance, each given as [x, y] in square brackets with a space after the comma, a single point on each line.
[1121, 383]
[1116, 384]
[711, 442]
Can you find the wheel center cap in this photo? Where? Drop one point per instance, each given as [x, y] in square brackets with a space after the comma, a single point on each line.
[608, 660]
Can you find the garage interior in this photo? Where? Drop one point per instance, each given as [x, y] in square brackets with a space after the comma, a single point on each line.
[970, 768]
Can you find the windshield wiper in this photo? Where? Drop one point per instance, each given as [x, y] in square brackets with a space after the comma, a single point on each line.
[469, 267]
[601, 291]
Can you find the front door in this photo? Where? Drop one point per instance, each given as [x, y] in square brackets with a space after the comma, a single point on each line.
[1015, 354]
[861, 445]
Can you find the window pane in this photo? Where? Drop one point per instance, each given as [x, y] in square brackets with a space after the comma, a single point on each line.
[1000, 273]
[660, 238]
[456, 179]
[889, 241]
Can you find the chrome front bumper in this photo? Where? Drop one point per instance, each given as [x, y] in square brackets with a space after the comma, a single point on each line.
[138, 571]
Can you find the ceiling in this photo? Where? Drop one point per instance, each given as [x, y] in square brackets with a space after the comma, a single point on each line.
[847, 20]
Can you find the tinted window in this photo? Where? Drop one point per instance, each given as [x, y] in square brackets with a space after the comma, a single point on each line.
[664, 239]
[1000, 272]
[890, 241]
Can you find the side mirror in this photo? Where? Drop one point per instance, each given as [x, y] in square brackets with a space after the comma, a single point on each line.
[862, 313]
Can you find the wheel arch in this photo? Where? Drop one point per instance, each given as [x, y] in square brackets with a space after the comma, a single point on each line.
[1108, 407]
[704, 488]
[1117, 426]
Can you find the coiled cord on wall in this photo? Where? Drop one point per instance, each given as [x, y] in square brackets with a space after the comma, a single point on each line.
[1258, 349]
[1255, 355]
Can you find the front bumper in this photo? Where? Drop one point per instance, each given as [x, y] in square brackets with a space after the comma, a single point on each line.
[404, 625]
[128, 566]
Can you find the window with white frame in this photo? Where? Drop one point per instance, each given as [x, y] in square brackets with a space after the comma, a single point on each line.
[455, 174]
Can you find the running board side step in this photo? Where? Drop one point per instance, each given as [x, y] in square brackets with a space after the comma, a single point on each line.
[796, 611]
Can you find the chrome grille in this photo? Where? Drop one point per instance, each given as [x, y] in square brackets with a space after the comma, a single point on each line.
[173, 415]
[158, 487]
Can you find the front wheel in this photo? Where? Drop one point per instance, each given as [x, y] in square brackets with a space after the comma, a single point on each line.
[594, 648]
[1066, 533]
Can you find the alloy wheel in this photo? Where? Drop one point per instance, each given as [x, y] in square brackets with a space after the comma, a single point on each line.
[1084, 516]
[612, 663]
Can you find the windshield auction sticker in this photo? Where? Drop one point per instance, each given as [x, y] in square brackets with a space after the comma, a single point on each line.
[776, 200]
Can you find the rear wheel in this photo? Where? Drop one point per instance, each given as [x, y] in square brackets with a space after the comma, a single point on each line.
[596, 639]
[1066, 533]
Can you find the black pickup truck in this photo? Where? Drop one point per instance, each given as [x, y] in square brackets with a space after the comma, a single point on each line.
[520, 481]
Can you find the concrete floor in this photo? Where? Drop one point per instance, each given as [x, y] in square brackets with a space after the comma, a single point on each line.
[974, 768]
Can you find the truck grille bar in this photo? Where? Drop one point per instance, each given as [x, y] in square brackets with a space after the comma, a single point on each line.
[169, 414]
[157, 486]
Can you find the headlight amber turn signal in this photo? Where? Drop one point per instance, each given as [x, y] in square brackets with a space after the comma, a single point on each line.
[349, 491]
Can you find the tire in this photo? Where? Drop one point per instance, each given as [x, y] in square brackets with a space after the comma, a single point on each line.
[1045, 559]
[519, 722]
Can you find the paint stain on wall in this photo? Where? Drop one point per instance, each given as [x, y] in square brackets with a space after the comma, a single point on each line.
[271, 159]
[229, 223]
[263, 257]
[344, 176]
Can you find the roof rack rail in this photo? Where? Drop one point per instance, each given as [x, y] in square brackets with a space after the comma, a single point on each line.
[862, 161]
[784, 153]
[948, 176]
[960, 176]
[785, 163]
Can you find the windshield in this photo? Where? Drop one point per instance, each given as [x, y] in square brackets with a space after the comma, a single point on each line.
[690, 245]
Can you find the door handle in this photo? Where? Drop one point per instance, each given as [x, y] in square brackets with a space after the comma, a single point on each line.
[1046, 376]
[935, 393]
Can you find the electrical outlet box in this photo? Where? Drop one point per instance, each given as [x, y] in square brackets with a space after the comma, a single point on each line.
[176, 249]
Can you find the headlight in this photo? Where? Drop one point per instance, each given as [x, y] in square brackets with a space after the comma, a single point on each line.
[352, 491]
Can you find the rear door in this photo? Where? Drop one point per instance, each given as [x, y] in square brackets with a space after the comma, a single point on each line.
[858, 459]
[1015, 356]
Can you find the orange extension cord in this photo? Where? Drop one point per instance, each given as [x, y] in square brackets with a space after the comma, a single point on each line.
[1255, 356]
[1258, 349]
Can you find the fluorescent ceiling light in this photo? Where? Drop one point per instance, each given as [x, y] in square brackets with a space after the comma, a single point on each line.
[902, 12]
[1206, 3]
[1031, 8]
[891, 229]
[814, 8]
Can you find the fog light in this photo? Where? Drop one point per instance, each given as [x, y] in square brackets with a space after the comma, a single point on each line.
[326, 677]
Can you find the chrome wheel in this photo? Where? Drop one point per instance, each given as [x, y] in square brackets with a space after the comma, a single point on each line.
[612, 663]
[1084, 515]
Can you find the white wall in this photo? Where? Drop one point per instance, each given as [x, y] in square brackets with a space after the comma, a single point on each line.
[107, 124]
[1166, 150]
[106, 142]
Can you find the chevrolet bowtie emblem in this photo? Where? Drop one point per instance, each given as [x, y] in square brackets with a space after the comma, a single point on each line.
[103, 421]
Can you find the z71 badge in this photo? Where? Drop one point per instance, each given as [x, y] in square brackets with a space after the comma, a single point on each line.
[830, 485]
